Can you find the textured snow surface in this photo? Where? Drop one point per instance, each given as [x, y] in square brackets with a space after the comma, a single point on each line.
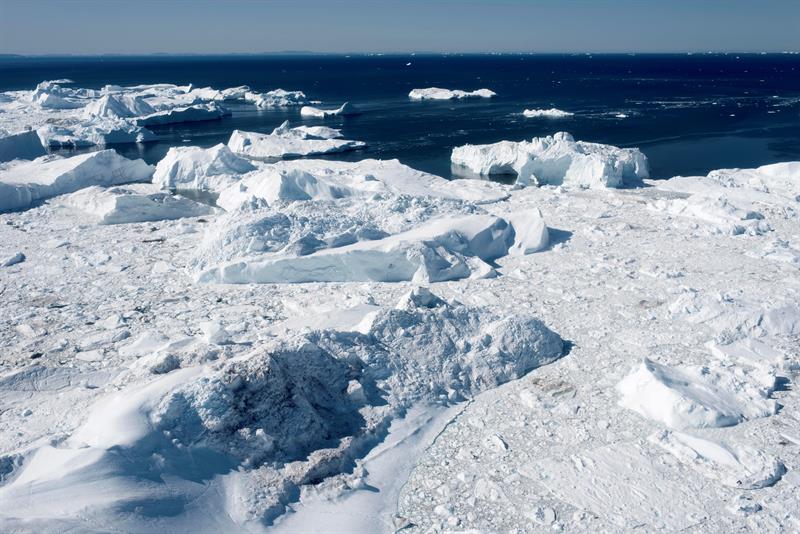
[555, 160]
[607, 365]
[437, 93]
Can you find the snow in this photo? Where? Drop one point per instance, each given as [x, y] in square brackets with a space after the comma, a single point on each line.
[345, 110]
[437, 93]
[552, 113]
[203, 169]
[121, 205]
[21, 145]
[24, 183]
[286, 142]
[593, 363]
[555, 160]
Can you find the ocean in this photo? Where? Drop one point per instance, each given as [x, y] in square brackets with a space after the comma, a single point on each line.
[688, 113]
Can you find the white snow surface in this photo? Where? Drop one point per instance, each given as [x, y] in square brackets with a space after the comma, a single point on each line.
[24, 182]
[555, 160]
[437, 93]
[285, 141]
[135, 399]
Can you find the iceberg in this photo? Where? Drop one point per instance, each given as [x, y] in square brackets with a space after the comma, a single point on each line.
[277, 98]
[197, 113]
[99, 132]
[203, 169]
[552, 113]
[121, 205]
[118, 107]
[24, 183]
[286, 142]
[437, 93]
[448, 248]
[21, 145]
[346, 109]
[555, 160]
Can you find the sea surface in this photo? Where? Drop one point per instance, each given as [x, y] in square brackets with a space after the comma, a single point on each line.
[688, 113]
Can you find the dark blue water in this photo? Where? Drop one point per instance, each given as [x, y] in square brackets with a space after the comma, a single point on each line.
[688, 113]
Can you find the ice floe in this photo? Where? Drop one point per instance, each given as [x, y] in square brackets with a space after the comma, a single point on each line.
[552, 113]
[556, 160]
[437, 93]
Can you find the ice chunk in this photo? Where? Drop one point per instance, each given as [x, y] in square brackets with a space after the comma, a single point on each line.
[21, 145]
[287, 142]
[120, 205]
[206, 169]
[17, 257]
[95, 132]
[437, 93]
[556, 159]
[719, 213]
[552, 113]
[344, 110]
[28, 182]
[694, 397]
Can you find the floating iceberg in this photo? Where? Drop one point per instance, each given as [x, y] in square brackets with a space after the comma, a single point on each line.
[552, 113]
[437, 93]
[21, 145]
[200, 112]
[121, 205]
[99, 132]
[118, 107]
[344, 110]
[24, 183]
[277, 98]
[288, 142]
[556, 159]
[203, 169]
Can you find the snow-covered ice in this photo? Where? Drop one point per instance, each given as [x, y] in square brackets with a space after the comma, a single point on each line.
[594, 360]
[346, 109]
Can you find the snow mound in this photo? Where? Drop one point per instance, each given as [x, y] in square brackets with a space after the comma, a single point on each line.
[197, 113]
[257, 426]
[437, 93]
[120, 205]
[195, 168]
[556, 160]
[695, 396]
[21, 145]
[286, 142]
[552, 113]
[27, 182]
[442, 249]
[737, 467]
[718, 213]
[346, 109]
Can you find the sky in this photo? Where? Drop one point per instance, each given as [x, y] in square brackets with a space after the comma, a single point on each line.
[34, 27]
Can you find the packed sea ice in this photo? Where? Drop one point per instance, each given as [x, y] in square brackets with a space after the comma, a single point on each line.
[233, 341]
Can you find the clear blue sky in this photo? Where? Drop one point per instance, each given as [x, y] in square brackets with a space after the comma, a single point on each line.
[204, 26]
